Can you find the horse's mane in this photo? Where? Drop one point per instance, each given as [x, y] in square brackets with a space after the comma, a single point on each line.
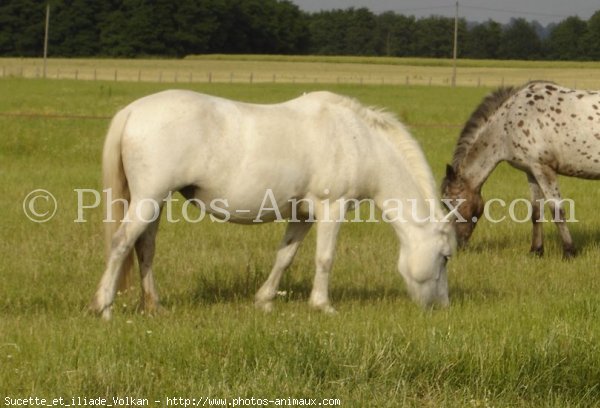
[479, 116]
[400, 137]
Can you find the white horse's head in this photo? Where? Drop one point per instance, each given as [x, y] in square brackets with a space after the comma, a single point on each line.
[423, 259]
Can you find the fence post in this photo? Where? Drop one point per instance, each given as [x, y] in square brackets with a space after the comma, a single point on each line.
[139, 75]
[76, 74]
[116, 75]
[251, 77]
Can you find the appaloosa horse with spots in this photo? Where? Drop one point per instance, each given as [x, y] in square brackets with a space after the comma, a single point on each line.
[540, 128]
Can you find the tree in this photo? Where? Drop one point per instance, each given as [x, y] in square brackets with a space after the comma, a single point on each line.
[199, 26]
[520, 41]
[327, 31]
[484, 40]
[344, 32]
[435, 36]
[566, 40]
[591, 40]
[262, 26]
[396, 34]
[22, 28]
[74, 30]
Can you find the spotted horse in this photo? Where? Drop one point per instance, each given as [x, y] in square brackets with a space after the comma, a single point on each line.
[540, 128]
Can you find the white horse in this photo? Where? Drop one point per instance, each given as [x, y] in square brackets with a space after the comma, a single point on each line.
[318, 149]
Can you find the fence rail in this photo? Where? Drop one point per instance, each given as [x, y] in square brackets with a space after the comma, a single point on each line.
[250, 72]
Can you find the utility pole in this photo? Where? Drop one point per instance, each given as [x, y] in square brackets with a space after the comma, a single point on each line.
[455, 46]
[46, 37]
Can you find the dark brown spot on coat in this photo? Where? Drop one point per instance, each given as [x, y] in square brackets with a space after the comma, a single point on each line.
[538, 97]
[551, 88]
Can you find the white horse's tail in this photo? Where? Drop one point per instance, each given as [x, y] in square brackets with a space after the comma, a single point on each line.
[114, 179]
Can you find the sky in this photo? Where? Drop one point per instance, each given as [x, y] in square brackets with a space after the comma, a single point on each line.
[544, 11]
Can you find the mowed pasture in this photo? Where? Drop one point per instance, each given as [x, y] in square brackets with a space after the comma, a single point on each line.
[309, 70]
[520, 331]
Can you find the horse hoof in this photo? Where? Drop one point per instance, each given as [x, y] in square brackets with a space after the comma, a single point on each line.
[153, 310]
[328, 309]
[106, 314]
[97, 308]
[265, 306]
[325, 308]
[539, 252]
[569, 253]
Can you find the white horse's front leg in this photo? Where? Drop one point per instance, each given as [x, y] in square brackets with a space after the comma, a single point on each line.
[328, 226]
[294, 235]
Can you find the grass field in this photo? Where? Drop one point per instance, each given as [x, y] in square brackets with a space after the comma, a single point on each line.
[521, 331]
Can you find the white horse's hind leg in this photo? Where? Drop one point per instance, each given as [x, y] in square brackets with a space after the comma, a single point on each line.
[294, 235]
[144, 248]
[122, 244]
[327, 230]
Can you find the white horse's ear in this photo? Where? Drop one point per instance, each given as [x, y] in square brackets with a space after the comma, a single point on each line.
[450, 173]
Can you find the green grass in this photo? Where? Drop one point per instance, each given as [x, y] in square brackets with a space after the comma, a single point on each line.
[521, 331]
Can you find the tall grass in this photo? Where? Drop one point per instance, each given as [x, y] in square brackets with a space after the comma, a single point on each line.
[521, 331]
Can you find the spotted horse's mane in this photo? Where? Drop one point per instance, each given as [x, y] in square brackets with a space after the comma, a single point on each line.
[480, 115]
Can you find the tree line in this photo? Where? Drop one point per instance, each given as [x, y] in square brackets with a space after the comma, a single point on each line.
[141, 28]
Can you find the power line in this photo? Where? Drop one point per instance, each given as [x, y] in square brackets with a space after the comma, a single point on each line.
[424, 8]
[518, 12]
[498, 10]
